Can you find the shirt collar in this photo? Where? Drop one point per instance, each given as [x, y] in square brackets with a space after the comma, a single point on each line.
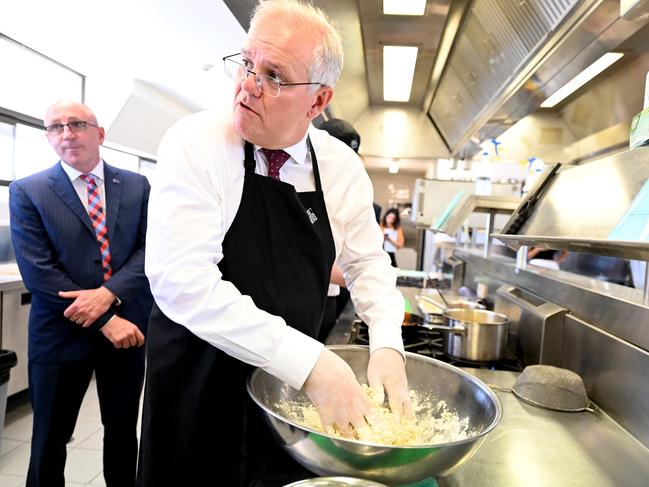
[73, 174]
[298, 152]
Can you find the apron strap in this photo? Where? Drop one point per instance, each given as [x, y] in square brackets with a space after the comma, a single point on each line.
[250, 164]
[314, 163]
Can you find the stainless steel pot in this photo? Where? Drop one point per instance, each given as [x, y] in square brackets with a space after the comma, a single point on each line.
[474, 334]
[432, 310]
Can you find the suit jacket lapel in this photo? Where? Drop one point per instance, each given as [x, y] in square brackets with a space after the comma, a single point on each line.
[62, 186]
[113, 189]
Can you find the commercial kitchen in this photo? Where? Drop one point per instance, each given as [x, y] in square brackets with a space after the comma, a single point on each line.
[495, 127]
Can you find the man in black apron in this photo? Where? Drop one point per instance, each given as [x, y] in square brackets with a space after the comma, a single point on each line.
[226, 286]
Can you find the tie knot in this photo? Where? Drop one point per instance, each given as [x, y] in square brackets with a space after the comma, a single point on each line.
[89, 178]
[276, 159]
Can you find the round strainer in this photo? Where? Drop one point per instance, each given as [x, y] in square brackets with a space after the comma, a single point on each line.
[552, 388]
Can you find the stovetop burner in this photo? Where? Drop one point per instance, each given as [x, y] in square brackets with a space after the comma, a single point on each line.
[430, 343]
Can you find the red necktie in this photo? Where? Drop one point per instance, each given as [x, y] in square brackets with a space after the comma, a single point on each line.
[276, 159]
[98, 218]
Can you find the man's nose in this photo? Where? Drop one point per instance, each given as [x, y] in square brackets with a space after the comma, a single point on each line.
[67, 132]
[249, 84]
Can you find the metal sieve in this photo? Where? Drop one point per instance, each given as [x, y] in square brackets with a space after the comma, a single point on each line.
[551, 387]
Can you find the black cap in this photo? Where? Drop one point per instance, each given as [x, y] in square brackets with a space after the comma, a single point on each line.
[342, 130]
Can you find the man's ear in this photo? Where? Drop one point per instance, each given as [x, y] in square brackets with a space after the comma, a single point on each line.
[322, 98]
[102, 135]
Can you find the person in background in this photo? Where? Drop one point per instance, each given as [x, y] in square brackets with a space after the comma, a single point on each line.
[78, 231]
[248, 214]
[337, 295]
[392, 234]
[546, 257]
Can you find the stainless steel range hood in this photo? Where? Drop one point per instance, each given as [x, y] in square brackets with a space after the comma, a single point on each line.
[508, 57]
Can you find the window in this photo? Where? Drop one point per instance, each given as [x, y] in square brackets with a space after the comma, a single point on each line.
[147, 168]
[120, 159]
[33, 80]
[6, 151]
[32, 151]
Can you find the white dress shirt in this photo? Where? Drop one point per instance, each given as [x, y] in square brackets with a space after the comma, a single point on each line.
[81, 187]
[194, 199]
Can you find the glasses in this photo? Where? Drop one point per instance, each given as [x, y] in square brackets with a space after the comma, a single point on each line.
[76, 126]
[269, 85]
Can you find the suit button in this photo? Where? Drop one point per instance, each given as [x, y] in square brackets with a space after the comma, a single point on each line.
[97, 261]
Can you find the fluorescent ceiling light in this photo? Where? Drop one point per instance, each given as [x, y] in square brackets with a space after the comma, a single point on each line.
[398, 71]
[582, 78]
[393, 168]
[404, 7]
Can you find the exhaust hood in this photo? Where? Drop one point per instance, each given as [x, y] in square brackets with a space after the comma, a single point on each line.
[508, 57]
[496, 49]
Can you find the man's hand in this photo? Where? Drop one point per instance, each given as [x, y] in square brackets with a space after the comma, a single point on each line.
[122, 333]
[88, 304]
[387, 371]
[334, 390]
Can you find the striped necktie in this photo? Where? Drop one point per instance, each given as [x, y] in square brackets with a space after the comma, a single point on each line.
[276, 159]
[98, 218]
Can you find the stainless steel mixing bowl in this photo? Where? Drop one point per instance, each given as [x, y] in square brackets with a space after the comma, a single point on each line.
[329, 455]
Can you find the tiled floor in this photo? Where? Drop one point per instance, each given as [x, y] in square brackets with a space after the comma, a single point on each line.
[84, 463]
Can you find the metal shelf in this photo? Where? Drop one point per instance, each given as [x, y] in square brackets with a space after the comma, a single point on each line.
[613, 248]
[578, 207]
[470, 204]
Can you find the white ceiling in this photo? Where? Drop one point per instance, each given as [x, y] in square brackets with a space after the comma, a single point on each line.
[165, 43]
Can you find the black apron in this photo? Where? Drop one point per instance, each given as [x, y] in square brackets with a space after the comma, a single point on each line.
[199, 427]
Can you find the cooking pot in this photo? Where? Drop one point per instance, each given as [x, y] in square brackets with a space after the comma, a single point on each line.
[432, 311]
[476, 335]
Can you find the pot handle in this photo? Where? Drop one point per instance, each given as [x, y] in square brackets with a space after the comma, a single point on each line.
[430, 301]
[460, 330]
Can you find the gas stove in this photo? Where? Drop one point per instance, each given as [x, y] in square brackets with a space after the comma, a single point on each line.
[430, 343]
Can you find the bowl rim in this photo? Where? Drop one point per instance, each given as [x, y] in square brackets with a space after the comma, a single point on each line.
[484, 387]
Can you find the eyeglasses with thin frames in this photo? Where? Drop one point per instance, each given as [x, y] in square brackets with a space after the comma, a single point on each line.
[75, 126]
[270, 85]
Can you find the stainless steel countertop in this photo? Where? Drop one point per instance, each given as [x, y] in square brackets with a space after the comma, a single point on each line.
[10, 278]
[537, 447]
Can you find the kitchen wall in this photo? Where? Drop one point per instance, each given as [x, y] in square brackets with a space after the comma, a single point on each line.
[542, 134]
[616, 99]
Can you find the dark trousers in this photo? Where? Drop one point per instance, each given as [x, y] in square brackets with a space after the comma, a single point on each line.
[56, 392]
[393, 259]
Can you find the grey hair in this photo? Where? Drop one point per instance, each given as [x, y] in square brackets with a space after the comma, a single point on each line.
[327, 62]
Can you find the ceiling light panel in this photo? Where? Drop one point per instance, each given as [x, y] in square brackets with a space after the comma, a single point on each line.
[404, 7]
[398, 71]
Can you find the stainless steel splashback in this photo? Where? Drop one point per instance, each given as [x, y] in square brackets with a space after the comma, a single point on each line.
[536, 325]
[615, 374]
[604, 334]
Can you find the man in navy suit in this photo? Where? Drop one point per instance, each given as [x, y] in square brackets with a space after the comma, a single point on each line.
[78, 230]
